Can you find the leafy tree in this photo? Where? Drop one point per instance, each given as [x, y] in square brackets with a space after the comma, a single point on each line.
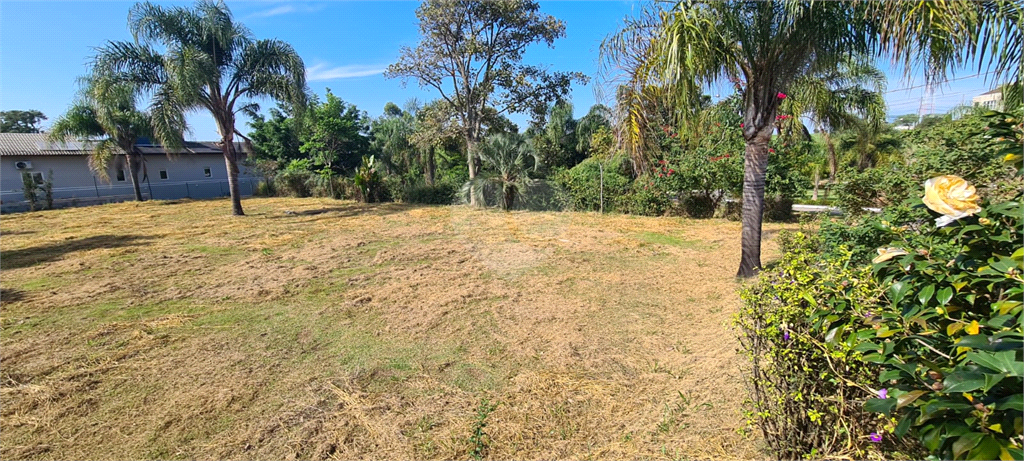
[471, 53]
[436, 131]
[276, 138]
[391, 136]
[208, 62]
[337, 134]
[763, 47]
[510, 157]
[111, 123]
[20, 121]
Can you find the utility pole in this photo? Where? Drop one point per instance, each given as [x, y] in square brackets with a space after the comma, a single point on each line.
[601, 166]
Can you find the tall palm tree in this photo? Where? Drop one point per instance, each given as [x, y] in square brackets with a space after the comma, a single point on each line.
[762, 47]
[845, 96]
[110, 124]
[206, 61]
[508, 155]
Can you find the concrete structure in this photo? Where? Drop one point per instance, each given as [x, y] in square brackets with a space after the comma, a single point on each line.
[992, 100]
[197, 171]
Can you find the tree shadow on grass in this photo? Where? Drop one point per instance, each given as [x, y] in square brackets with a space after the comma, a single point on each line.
[349, 210]
[27, 257]
[9, 295]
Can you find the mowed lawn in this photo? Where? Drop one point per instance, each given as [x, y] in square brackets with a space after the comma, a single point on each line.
[319, 329]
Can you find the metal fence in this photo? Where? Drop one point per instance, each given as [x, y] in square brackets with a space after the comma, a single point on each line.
[14, 200]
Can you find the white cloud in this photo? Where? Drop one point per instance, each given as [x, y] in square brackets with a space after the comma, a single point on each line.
[321, 72]
[285, 9]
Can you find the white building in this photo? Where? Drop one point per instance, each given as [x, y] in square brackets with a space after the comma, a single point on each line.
[992, 100]
[196, 171]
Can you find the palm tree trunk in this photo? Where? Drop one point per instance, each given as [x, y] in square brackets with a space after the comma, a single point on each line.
[134, 162]
[755, 164]
[232, 166]
[510, 197]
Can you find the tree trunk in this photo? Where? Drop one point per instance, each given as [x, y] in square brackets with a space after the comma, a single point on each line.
[231, 162]
[509, 197]
[833, 161]
[134, 162]
[755, 164]
[814, 196]
[429, 167]
[471, 160]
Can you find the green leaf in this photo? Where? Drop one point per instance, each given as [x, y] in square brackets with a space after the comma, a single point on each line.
[1011, 402]
[944, 295]
[889, 375]
[897, 291]
[904, 425]
[880, 405]
[987, 448]
[965, 443]
[926, 294]
[963, 381]
[991, 380]
[1004, 362]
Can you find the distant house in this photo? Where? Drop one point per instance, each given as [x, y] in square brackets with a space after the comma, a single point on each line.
[195, 171]
[992, 100]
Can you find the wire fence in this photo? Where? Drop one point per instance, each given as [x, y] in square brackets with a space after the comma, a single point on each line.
[14, 200]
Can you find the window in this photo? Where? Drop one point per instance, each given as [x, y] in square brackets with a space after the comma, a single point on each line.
[163, 174]
[207, 172]
[120, 174]
[37, 177]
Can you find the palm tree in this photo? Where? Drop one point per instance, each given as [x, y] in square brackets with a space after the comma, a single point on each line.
[209, 62]
[507, 154]
[764, 47]
[846, 96]
[110, 124]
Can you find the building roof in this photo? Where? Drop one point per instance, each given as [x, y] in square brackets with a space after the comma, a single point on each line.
[12, 144]
[995, 91]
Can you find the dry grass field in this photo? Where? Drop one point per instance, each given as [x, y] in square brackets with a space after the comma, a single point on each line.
[320, 329]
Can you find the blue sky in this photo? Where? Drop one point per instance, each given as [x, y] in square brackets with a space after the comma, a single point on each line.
[45, 46]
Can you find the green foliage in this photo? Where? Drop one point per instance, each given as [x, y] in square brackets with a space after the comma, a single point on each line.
[582, 183]
[294, 179]
[509, 158]
[47, 188]
[948, 336]
[806, 380]
[480, 440]
[368, 181]
[644, 198]
[29, 188]
[337, 134]
[440, 193]
[276, 138]
[20, 121]
[874, 187]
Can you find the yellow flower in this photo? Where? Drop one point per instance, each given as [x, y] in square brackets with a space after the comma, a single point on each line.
[885, 254]
[951, 196]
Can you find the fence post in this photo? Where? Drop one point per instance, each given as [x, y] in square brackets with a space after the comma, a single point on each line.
[97, 187]
[187, 193]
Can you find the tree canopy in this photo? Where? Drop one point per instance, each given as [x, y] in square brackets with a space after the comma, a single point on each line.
[21, 121]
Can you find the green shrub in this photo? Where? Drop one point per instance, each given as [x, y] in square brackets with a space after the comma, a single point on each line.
[441, 193]
[582, 183]
[876, 187]
[807, 383]
[699, 206]
[947, 339]
[369, 183]
[644, 198]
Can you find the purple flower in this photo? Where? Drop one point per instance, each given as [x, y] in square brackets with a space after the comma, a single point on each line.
[883, 393]
[876, 437]
[785, 336]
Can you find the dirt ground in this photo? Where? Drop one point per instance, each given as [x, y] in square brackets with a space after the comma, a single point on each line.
[322, 329]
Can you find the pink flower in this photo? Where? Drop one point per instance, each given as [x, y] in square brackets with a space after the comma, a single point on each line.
[771, 150]
[781, 95]
[876, 437]
[741, 124]
[670, 171]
